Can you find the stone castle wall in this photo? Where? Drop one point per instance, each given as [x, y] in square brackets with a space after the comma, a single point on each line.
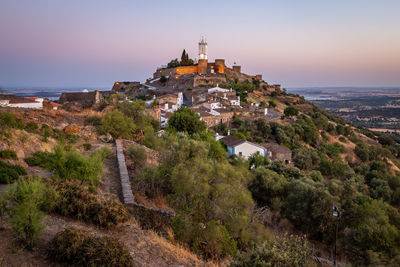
[197, 81]
[186, 70]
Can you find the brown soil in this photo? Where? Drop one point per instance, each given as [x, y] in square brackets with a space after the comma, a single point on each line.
[110, 183]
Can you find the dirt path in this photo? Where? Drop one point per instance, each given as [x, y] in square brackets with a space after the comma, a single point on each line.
[110, 183]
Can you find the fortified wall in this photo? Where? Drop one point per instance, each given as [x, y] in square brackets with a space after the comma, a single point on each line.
[203, 73]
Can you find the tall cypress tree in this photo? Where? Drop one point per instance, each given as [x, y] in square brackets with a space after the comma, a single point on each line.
[183, 58]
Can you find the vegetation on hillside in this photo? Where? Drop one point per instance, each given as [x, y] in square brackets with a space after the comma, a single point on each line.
[78, 248]
[10, 172]
[232, 207]
[67, 163]
[25, 204]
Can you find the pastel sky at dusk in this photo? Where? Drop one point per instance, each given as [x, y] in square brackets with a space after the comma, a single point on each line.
[92, 43]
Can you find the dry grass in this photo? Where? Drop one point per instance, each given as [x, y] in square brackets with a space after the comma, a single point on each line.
[348, 147]
[159, 201]
[181, 252]
[146, 247]
[25, 144]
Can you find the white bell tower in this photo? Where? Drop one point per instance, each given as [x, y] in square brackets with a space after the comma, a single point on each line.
[202, 49]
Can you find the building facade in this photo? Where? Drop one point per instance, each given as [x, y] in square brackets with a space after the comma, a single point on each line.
[243, 148]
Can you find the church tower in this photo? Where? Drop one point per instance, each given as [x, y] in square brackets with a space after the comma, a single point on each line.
[202, 49]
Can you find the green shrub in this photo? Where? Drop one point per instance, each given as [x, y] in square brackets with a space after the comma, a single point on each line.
[8, 154]
[305, 159]
[31, 127]
[71, 164]
[8, 120]
[215, 241]
[267, 187]
[25, 203]
[72, 138]
[299, 206]
[87, 146]
[272, 103]
[373, 228]
[9, 173]
[93, 120]
[284, 251]
[41, 159]
[291, 111]
[77, 201]
[186, 120]
[117, 124]
[138, 155]
[78, 248]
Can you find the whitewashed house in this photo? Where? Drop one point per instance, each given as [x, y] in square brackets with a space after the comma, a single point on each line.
[218, 89]
[242, 147]
[14, 101]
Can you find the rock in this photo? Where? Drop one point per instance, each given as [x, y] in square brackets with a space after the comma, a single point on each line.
[20, 153]
[107, 138]
[88, 131]
[61, 125]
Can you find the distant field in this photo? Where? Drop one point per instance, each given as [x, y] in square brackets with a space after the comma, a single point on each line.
[375, 108]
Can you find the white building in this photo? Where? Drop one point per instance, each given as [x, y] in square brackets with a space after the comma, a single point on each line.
[242, 147]
[219, 89]
[21, 102]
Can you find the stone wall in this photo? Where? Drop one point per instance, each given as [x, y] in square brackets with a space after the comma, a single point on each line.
[164, 72]
[197, 81]
[127, 195]
[147, 217]
[187, 70]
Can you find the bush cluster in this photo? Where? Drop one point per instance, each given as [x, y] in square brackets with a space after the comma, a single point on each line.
[117, 124]
[8, 120]
[186, 120]
[25, 203]
[71, 164]
[75, 200]
[9, 172]
[93, 120]
[78, 248]
[138, 155]
[8, 154]
[284, 251]
[209, 195]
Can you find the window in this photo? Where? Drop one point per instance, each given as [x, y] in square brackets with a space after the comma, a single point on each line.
[240, 153]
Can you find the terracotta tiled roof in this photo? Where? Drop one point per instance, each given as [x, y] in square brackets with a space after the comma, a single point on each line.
[33, 98]
[222, 110]
[16, 99]
[275, 148]
[232, 141]
[54, 104]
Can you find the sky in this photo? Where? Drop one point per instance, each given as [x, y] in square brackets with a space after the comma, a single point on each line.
[296, 43]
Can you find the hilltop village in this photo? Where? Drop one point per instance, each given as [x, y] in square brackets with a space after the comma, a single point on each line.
[200, 165]
[216, 92]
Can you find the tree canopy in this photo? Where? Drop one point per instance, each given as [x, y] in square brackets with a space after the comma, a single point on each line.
[186, 120]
